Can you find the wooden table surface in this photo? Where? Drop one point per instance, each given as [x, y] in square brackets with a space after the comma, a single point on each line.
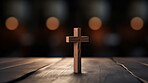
[60, 70]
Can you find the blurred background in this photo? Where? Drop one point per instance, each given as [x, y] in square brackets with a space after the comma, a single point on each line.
[38, 28]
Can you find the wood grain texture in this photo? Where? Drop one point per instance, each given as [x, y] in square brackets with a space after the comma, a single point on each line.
[71, 39]
[77, 51]
[77, 57]
[77, 39]
[5, 60]
[16, 72]
[95, 70]
[17, 62]
[138, 66]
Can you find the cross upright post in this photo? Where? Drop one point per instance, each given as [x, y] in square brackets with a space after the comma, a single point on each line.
[77, 39]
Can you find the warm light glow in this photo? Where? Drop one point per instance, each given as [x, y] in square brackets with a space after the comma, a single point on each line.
[52, 23]
[137, 23]
[11, 23]
[95, 23]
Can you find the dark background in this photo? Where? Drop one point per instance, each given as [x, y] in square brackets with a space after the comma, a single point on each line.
[33, 39]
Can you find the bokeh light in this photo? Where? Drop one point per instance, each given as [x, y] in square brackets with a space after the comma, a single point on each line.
[95, 23]
[52, 23]
[136, 23]
[11, 23]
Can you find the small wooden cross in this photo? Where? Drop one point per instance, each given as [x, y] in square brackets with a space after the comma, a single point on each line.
[77, 39]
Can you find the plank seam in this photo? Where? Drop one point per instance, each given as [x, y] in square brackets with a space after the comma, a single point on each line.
[145, 64]
[130, 72]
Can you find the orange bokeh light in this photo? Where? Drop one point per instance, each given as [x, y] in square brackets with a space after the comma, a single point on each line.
[11, 23]
[52, 23]
[95, 23]
[136, 23]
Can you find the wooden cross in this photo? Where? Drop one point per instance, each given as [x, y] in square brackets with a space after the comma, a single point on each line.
[77, 39]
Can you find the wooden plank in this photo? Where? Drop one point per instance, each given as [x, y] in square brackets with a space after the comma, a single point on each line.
[106, 71]
[95, 70]
[49, 74]
[75, 39]
[136, 65]
[71, 39]
[17, 72]
[18, 62]
[84, 39]
[5, 60]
